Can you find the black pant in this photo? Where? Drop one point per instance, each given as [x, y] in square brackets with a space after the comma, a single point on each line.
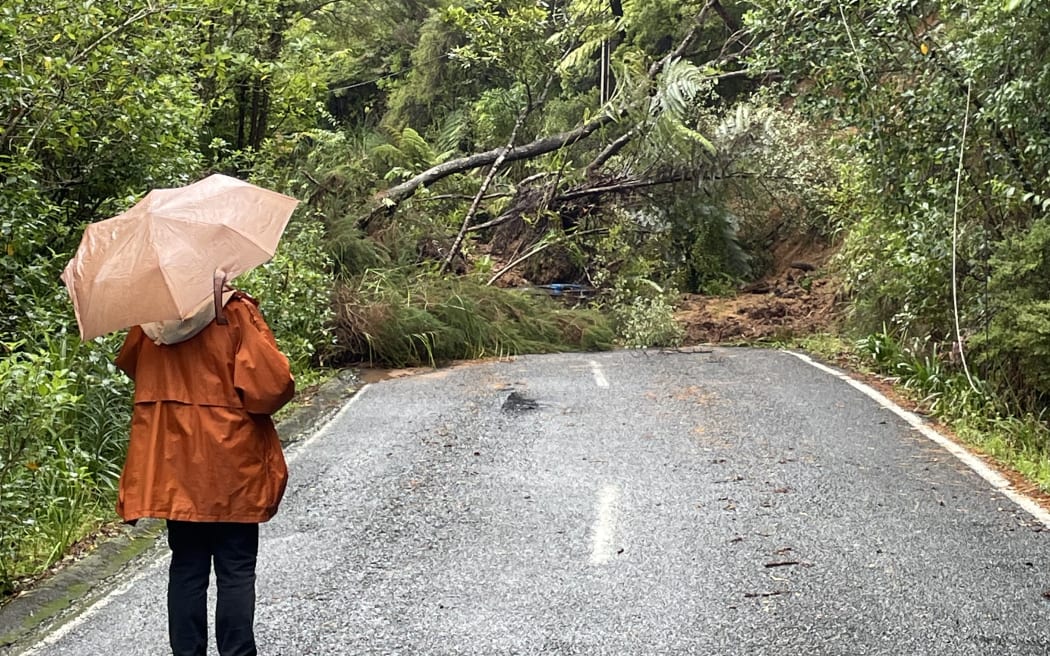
[234, 548]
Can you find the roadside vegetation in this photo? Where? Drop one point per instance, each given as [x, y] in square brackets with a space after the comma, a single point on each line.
[458, 157]
[945, 249]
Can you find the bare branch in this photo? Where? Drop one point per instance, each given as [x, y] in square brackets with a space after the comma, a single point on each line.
[611, 150]
[522, 115]
[437, 197]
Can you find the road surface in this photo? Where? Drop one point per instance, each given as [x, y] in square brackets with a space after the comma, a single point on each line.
[628, 503]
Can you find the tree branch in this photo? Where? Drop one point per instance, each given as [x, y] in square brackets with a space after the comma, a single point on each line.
[732, 23]
[398, 193]
[392, 197]
[612, 150]
[522, 115]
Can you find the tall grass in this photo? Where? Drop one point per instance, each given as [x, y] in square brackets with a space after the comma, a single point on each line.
[406, 317]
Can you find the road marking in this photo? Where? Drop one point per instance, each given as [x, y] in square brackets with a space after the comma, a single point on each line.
[162, 556]
[994, 478]
[604, 525]
[51, 638]
[599, 375]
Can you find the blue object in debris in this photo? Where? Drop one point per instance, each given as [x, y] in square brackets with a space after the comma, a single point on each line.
[560, 288]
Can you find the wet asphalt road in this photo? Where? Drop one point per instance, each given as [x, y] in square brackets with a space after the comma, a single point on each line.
[628, 503]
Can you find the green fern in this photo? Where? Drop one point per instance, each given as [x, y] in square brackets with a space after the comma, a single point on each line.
[408, 153]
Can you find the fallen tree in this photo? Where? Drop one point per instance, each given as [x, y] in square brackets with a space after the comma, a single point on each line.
[655, 104]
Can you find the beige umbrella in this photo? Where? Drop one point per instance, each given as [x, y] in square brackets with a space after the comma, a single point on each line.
[156, 262]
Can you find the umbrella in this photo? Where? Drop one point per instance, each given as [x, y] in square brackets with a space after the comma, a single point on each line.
[157, 261]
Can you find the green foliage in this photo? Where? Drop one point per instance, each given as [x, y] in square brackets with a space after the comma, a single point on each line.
[714, 259]
[433, 85]
[641, 310]
[66, 413]
[646, 320]
[97, 115]
[405, 155]
[294, 291]
[903, 80]
[505, 36]
[108, 99]
[1015, 347]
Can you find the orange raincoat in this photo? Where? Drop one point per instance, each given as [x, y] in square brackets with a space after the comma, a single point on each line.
[203, 447]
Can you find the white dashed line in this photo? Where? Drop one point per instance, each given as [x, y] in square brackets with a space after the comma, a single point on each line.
[599, 375]
[604, 525]
[996, 480]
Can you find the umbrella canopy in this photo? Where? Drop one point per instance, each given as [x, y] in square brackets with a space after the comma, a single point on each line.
[156, 261]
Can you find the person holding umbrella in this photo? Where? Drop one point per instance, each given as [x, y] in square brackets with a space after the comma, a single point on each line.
[203, 452]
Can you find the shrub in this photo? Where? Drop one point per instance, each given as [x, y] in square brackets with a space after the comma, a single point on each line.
[294, 291]
[66, 411]
[1015, 348]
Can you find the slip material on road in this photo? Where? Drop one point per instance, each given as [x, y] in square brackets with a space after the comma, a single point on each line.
[718, 502]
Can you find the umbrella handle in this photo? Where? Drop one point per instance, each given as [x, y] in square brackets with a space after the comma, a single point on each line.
[218, 284]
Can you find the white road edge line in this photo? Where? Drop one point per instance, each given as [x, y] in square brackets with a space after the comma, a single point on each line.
[59, 633]
[599, 376]
[604, 525]
[994, 478]
[294, 455]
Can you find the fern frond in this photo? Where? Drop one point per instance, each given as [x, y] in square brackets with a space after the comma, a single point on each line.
[388, 155]
[454, 127]
[416, 148]
[680, 85]
[581, 56]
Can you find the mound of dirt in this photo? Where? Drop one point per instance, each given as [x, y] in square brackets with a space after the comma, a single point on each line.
[797, 298]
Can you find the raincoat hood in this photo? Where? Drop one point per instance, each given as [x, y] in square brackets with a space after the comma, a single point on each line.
[179, 330]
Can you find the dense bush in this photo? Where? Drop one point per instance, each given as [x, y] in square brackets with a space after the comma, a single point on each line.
[294, 291]
[66, 412]
[940, 106]
[107, 100]
[1015, 346]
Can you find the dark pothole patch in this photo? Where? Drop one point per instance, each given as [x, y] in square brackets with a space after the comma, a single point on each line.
[516, 404]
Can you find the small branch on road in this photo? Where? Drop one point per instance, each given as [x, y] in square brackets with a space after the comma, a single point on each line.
[754, 595]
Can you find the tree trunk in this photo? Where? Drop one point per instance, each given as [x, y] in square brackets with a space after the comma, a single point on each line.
[398, 193]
